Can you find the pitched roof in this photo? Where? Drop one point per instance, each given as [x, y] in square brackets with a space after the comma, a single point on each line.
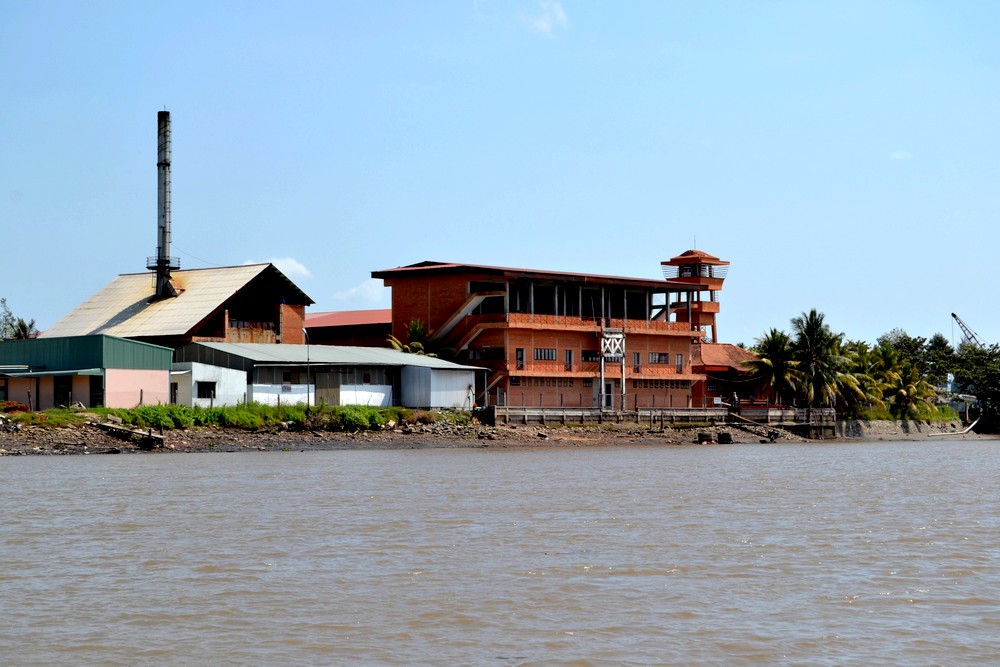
[702, 257]
[722, 355]
[345, 318]
[126, 307]
[333, 355]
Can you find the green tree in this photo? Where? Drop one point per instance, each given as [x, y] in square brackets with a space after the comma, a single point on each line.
[908, 393]
[865, 365]
[939, 360]
[14, 328]
[419, 340]
[821, 371]
[933, 358]
[977, 372]
[908, 348]
[774, 366]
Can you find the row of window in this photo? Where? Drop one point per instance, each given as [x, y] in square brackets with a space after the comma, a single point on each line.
[591, 356]
[661, 384]
[518, 381]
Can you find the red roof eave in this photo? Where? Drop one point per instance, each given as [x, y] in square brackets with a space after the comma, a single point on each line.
[510, 272]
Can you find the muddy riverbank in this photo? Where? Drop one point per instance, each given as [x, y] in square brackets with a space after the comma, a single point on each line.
[90, 439]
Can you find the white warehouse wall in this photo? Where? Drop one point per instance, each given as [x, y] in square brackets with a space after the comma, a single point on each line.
[230, 385]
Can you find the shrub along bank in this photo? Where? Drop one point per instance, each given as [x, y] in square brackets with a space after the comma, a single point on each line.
[252, 416]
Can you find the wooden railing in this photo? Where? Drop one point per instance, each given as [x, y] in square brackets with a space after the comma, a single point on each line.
[774, 417]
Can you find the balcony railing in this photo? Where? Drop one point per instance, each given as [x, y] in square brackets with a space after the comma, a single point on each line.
[578, 322]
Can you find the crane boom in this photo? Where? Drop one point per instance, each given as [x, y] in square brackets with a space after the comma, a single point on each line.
[969, 334]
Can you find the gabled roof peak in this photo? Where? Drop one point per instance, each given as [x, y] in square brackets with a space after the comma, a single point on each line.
[691, 256]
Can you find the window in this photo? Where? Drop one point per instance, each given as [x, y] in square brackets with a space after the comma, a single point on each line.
[366, 378]
[680, 363]
[569, 360]
[545, 354]
[519, 356]
[206, 389]
[659, 358]
[588, 382]
[636, 362]
[590, 356]
[515, 381]
[486, 353]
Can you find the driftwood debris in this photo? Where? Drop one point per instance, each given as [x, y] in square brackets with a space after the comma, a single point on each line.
[142, 439]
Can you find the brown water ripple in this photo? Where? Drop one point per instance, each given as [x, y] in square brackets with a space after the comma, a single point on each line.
[821, 555]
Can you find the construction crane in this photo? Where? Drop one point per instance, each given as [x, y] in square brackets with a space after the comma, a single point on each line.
[969, 334]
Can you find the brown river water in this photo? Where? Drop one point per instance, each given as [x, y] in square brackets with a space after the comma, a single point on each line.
[783, 554]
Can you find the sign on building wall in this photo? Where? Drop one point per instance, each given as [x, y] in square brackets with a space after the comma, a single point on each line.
[613, 345]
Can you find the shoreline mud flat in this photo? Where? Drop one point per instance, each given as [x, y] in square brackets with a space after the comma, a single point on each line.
[89, 439]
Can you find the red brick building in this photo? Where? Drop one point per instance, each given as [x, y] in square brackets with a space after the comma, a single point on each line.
[555, 339]
[360, 328]
[727, 377]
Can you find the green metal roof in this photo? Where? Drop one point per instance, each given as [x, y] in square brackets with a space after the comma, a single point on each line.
[72, 353]
[46, 374]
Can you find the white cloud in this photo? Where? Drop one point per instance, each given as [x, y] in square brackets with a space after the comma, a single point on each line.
[370, 293]
[291, 267]
[552, 17]
[900, 155]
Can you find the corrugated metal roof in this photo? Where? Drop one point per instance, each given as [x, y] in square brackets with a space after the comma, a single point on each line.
[349, 318]
[48, 374]
[333, 355]
[68, 354]
[124, 308]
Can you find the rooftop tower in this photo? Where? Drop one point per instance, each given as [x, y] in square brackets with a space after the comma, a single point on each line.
[699, 269]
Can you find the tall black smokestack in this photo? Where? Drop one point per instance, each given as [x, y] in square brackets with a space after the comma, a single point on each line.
[163, 262]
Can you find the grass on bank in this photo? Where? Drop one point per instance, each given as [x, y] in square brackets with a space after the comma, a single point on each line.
[353, 418]
[252, 416]
[938, 413]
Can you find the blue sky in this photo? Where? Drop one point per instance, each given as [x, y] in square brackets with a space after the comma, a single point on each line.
[842, 155]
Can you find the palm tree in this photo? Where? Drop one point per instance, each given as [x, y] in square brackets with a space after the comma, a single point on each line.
[909, 392]
[774, 367]
[821, 369]
[416, 336]
[419, 340]
[23, 330]
[865, 367]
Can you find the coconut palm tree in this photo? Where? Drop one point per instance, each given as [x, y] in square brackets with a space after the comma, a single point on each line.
[909, 392]
[821, 368]
[23, 330]
[416, 339]
[774, 366]
[420, 340]
[865, 367]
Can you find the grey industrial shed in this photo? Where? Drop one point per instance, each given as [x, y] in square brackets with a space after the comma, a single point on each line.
[338, 375]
